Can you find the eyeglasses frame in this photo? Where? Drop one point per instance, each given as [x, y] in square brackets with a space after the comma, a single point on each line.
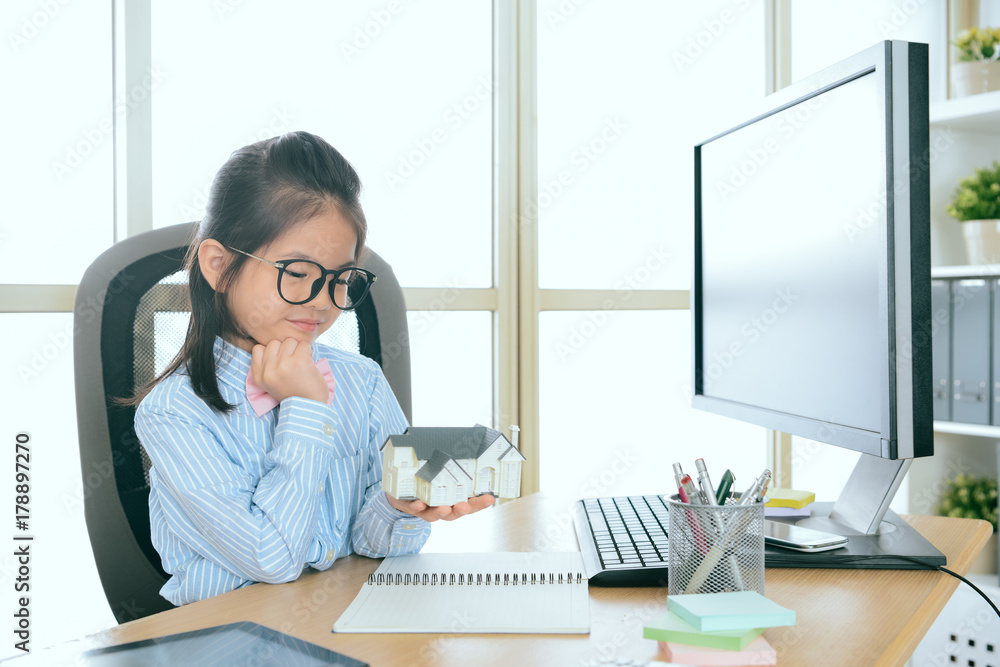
[281, 265]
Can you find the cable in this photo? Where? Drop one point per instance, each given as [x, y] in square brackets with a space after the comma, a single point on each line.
[930, 566]
[960, 577]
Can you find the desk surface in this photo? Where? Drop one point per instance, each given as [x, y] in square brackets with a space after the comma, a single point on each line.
[883, 614]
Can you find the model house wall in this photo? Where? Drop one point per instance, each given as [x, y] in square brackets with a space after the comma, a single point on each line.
[442, 466]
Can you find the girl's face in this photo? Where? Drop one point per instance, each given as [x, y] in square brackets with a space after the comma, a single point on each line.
[254, 301]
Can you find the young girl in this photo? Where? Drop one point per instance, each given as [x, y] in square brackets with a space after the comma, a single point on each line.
[265, 444]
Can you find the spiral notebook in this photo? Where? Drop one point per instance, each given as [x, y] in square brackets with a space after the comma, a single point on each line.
[515, 592]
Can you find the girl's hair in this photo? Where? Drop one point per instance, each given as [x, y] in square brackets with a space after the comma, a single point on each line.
[261, 192]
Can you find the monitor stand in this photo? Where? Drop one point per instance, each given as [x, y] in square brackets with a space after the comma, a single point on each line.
[877, 538]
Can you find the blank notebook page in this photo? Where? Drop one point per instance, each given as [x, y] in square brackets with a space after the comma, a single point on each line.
[387, 603]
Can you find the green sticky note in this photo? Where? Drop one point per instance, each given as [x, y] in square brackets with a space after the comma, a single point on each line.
[741, 610]
[672, 628]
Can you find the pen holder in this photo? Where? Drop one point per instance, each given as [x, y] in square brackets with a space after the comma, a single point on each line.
[714, 549]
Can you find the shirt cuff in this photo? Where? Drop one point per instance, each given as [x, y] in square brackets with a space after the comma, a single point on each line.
[389, 513]
[304, 419]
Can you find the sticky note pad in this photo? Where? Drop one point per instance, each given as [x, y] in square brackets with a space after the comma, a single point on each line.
[738, 610]
[672, 628]
[759, 652]
[789, 498]
[795, 512]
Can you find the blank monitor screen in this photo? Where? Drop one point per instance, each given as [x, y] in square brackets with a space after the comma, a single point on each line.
[791, 256]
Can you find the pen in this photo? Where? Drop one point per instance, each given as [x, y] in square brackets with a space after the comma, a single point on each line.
[697, 532]
[678, 474]
[756, 489]
[763, 488]
[720, 525]
[724, 487]
[690, 489]
[705, 482]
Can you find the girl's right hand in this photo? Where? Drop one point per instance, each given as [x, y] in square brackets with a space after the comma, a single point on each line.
[285, 368]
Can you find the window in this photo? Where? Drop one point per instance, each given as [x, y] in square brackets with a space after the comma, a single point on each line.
[60, 117]
[379, 81]
[616, 132]
[545, 268]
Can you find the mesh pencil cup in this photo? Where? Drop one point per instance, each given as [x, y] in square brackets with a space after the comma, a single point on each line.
[715, 549]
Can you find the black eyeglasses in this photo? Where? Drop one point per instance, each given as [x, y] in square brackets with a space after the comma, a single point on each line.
[300, 280]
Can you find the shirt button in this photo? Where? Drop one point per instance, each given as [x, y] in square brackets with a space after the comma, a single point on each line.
[331, 554]
[327, 429]
[321, 488]
[408, 526]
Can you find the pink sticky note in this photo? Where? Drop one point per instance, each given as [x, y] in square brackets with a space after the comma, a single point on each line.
[757, 652]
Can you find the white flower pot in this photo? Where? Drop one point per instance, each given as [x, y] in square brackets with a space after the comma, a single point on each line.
[974, 77]
[982, 241]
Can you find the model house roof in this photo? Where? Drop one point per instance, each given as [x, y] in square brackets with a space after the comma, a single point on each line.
[460, 442]
[512, 454]
[438, 462]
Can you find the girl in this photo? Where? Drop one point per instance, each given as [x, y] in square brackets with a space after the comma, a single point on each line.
[265, 444]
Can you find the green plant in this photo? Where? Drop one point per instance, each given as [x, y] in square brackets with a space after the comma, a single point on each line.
[970, 497]
[977, 196]
[978, 44]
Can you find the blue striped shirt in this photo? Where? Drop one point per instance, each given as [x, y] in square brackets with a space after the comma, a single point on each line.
[236, 499]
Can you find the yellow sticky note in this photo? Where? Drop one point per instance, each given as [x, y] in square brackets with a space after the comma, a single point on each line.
[789, 498]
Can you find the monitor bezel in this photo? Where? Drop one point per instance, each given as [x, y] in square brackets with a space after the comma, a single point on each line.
[906, 414]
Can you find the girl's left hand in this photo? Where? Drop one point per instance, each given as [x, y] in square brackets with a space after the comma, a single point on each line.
[419, 508]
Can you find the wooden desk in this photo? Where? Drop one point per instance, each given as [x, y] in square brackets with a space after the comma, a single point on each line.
[845, 617]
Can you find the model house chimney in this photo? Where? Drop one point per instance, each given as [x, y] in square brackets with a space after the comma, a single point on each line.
[513, 435]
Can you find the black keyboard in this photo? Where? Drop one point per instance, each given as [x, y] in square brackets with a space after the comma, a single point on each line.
[623, 540]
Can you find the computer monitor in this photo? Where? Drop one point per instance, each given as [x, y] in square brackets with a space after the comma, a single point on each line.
[811, 287]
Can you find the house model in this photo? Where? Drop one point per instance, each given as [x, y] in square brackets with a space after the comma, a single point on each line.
[443, 466]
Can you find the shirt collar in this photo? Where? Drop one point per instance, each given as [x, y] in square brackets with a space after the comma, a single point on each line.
[232, 363]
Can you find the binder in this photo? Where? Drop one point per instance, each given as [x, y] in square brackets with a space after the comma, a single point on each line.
[970, 346]
[941, 348]
[995, 353]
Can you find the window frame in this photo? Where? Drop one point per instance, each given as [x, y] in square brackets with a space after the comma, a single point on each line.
[515, 300]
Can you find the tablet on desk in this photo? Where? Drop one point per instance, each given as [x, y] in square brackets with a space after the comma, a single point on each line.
[243, 643]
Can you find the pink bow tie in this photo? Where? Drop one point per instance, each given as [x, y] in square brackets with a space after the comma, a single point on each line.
[262, 402]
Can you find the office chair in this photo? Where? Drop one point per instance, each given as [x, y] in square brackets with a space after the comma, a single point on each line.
[130, 319]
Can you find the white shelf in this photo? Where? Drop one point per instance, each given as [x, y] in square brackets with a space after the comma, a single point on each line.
[974, 113]
[959, 428]
[976, 271]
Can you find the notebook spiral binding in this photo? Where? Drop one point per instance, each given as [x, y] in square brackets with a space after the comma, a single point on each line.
[401, 579]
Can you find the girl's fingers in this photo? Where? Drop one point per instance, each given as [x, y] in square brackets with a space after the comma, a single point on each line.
[481, 502]
[289, 346]
[271, 352]
[420, 509]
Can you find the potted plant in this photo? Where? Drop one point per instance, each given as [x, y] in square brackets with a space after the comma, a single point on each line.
[968, 497]
[978, 69]
[976, 204]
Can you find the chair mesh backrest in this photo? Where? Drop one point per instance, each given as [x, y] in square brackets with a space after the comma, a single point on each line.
[139, 288]
[161, 324]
